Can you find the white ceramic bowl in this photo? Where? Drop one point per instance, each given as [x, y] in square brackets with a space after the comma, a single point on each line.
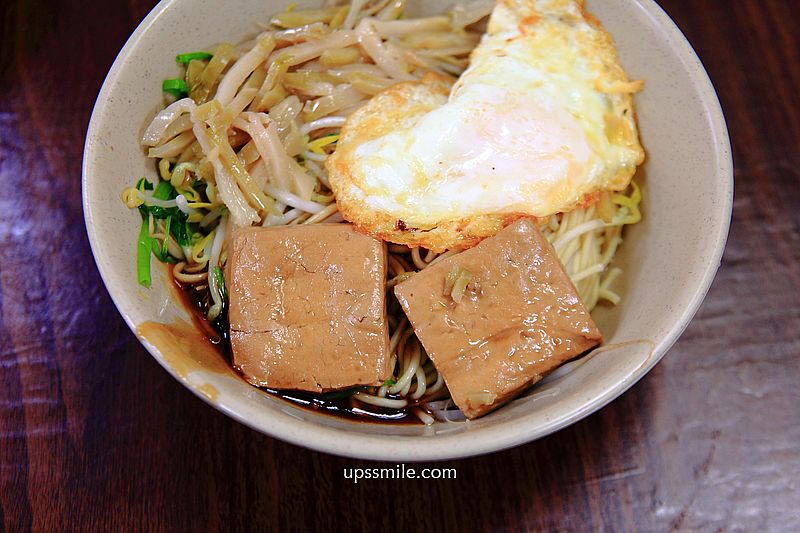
[669, 259]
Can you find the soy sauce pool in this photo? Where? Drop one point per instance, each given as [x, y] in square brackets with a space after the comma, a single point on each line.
[340, 404]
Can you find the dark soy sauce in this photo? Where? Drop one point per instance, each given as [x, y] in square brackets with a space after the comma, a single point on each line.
[336, 404]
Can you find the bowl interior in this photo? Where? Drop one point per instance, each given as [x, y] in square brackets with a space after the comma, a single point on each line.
[669, 259]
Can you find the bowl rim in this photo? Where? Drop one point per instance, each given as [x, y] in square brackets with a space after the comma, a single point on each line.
[412, 449]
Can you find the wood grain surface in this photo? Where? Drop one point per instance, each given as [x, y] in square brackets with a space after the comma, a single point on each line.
[94, 435]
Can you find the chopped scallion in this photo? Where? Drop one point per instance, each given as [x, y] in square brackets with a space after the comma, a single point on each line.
[191, 56]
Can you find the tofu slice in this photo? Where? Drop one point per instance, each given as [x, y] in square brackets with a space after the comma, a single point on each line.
[519, 318]
[307, 307]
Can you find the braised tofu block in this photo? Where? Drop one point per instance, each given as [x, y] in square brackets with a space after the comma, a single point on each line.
[307, 307]
[497, 317]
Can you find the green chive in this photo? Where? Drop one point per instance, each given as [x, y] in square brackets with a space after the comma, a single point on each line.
[164, 248]
[191, 56]
[220, 279]
[143, 255]
[144, 185]
[180, 228]
[164, 191]
[176, 87]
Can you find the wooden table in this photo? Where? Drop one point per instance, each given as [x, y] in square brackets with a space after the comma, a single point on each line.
[94, 435]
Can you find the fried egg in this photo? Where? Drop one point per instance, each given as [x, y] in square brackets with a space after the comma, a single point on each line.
[540, 122]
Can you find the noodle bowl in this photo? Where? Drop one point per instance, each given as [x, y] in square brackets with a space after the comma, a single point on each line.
[246, 144]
